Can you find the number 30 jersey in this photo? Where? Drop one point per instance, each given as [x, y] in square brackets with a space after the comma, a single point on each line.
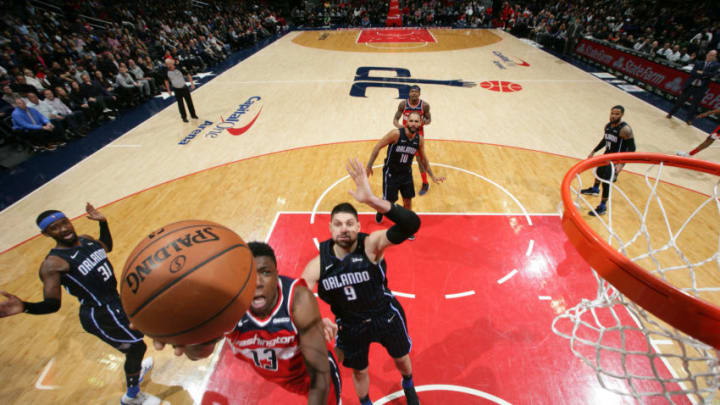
[271, 345]
[355, 287]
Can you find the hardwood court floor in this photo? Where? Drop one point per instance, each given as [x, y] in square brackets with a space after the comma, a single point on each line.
[306, 124]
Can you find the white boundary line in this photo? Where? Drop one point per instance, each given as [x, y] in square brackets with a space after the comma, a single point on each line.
[544, 298]
[503, 189]
[529, 250]
[459, 295]
[402, 294]
[507, 276]
[444, 387]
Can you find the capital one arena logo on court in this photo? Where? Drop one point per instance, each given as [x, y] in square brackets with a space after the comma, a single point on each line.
[235, 124]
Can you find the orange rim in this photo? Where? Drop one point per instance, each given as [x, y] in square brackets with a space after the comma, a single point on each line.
[692, 315]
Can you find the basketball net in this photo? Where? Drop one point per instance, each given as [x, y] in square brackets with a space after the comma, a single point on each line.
[631, 350]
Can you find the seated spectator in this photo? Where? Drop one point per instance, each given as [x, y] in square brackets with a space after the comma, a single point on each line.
[74, 119]
[147, 82]
[642, 45]
[31, 79]
[664, 50]
[21, 87]
[35, 127]
[49, 112]
[9, 95]
[128, 89]
[93, 91]
[674, 55]
[686, 58]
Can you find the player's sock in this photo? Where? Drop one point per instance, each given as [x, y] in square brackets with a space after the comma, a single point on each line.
[424, 177]
[694, 151]
[133, 391]
[407, 382]
[365, 400]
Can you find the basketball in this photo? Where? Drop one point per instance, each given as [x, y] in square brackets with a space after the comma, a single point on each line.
[188, 282]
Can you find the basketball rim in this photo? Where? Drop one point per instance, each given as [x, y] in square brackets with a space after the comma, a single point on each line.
[691, 315]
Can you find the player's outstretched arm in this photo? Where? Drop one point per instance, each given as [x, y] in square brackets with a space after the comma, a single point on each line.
[306, 317]
[406, 221]
[50, 272]
[422, 157]
[398, 115]
[427, 119]
[390, 137]
[311, 274]
[105, 237]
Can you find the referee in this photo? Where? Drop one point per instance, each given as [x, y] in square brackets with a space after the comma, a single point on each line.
[176, 78]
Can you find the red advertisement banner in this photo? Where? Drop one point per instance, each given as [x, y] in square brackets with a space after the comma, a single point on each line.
[662, 77]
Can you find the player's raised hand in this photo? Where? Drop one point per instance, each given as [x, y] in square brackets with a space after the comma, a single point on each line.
[93, 213]
[11, 306]
[330, 329]
[369, 171]
[357, 172]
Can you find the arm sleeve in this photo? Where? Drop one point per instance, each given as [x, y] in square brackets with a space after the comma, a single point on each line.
[105, 236]
[599, 145]
[406, 224]
[48, 306]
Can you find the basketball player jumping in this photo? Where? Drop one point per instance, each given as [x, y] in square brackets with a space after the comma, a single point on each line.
[282, 335]
[350, 275]
[714, 136]
[403, 143]
[618, 138]
[415, 104]
[80, 264]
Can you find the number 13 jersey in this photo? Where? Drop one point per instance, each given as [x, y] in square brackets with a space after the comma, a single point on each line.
[271, 345]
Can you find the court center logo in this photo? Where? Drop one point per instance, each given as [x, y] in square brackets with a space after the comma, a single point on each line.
[402, 81]
[503, 62]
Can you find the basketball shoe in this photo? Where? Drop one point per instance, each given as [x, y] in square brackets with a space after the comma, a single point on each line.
[600, 210]
[146, 366]
[139, 399]
[424, 189]
[411, 237]
[590, 191]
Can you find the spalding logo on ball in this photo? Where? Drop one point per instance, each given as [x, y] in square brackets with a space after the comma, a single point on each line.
[188, 282]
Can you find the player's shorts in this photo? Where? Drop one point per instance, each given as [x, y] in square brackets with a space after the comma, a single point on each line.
[389, 329]
[715, 134]
[604, 173]
[110, 324]
[392, 184]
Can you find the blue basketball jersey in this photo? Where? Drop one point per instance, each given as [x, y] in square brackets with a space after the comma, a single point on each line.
[355, 287]
[91, 278]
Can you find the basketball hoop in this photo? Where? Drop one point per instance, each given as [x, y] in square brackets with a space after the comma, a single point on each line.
[658, 301]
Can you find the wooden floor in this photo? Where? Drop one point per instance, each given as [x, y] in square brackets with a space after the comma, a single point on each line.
[502, 152]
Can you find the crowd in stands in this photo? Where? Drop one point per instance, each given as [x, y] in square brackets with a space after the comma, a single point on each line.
[86, 62]
[65, 70]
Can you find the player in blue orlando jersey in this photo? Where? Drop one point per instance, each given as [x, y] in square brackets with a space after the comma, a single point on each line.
[618, 137]
[80, 264]
[403, 143]
[350, 275]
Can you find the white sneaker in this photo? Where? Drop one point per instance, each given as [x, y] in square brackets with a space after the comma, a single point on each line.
[681, 153]
[138, 400]
[146, 366]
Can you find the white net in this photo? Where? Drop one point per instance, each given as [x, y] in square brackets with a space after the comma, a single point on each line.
[673, 233]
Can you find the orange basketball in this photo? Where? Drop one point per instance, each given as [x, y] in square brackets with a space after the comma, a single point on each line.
[188, 282]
